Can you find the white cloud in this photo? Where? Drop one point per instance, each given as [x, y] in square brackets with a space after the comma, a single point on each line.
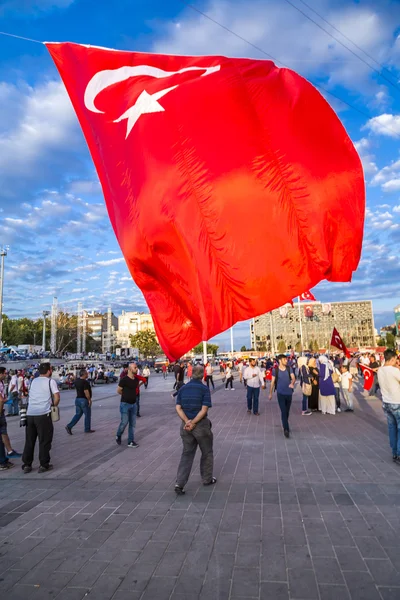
[363, 147]
[107, 263]
[388, 177]
[391, 186]
[290, 37]
[385, 124]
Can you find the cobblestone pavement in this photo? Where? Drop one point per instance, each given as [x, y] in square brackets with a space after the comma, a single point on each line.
[313, 517]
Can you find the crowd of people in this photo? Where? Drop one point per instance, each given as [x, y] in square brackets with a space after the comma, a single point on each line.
[326, 384]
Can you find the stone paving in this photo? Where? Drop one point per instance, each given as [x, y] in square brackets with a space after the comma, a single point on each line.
[313, 517]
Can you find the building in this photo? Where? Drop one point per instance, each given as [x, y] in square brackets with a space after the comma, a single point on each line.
[397, 319]
[129, 323]
[97, 326]
[281, 327]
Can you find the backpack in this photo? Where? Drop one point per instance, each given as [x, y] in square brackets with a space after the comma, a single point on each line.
[276, 375]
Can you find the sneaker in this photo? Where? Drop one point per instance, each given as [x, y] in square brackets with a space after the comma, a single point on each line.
[91, 431]
[212, 482]
[138, 415]
[68, 429]
[305, 413]
[42, 469]
[179, 490]
[7, 465]
[26, 469]
[13, 454]
[232, 389]
[249, 412]
[286, 433]
[257, 414]
[133, 445]
[339, 410]
[395, 458]
[118, 439]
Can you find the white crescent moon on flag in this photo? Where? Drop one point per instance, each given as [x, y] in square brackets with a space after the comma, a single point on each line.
[103, 79]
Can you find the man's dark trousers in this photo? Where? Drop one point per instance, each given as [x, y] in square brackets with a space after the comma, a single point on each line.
[201, 436]
[38, 427]
[285, 402]
[253, 394]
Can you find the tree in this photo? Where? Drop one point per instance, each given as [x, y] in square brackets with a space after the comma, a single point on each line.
[390, 340]
[281, 346]
[381, 342]
[146, 342]
[298, 347]
[243, 349]
[211, 349]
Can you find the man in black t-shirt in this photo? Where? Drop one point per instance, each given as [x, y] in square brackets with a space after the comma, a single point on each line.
[128, 388]
[83, 402]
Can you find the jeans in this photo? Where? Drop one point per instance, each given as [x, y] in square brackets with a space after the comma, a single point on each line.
[304, 405]
[393, 419]
[201, 436]
[337, 397]
[128, 417]
[374, 387]
[13, 407]
[253, 394]
[285, 402]
[209, 379]
[147, 383]
[138, 404]
[82, 408]
[38, 427]
[348, 398]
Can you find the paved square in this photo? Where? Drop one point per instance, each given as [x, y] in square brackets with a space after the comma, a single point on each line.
[316, 516]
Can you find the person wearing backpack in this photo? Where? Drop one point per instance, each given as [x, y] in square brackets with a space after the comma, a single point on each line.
[283, 381]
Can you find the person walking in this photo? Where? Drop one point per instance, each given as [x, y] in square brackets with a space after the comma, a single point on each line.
[192, 404]
[164, 370]
[346, 385]
[146, 375]
[43, 394]
[83, 403]
[128, 388]
[229, 377]
[283, 381]
[305, 382]
[209, 375]
[314, 376]
[327, 401]
[254, 381]
[5, 440]
[389, 383]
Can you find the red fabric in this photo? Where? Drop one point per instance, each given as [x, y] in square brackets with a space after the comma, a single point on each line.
[337, 342]
[307, 296]
[369, 375]
[246, 162]
[268, 374]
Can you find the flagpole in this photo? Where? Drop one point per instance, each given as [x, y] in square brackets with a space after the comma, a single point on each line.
[301, 326]
[205, 353]
[272, 334]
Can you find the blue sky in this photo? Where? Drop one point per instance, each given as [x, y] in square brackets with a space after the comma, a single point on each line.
[52, 212]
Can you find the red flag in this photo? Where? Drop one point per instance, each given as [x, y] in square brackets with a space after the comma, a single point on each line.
[308, 296]
[337, 342]
[206, 163]
[368, 377]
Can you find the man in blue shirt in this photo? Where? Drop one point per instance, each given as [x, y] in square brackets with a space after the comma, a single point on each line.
[283, 381]
[192, 404]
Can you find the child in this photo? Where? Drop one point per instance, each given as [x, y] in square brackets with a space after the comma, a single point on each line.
[346, 385]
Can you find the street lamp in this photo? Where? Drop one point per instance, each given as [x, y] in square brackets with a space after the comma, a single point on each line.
[45, 314]
[3, 254]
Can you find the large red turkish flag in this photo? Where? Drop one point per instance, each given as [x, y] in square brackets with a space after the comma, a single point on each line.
[231, 184]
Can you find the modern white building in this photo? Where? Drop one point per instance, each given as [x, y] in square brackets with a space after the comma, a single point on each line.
[129, 323]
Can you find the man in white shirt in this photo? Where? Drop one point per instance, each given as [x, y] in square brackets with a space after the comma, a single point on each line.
[13, 396]
[42, 395]
[209, 375]
[389, 382]
[254, 381]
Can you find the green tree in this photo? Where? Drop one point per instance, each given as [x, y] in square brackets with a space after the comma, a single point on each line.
[381, 342]
[390, 340]
[146, 342]
[211, 349]
[298, 347]
[281, 346]
[243, 349]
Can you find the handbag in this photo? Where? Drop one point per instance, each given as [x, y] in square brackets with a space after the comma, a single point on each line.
[335, 377]
[54, 411]
[306, 388]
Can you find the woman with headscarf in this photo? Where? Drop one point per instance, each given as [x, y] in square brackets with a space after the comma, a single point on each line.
[304, 375]
[314, 380]
[327, 399]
